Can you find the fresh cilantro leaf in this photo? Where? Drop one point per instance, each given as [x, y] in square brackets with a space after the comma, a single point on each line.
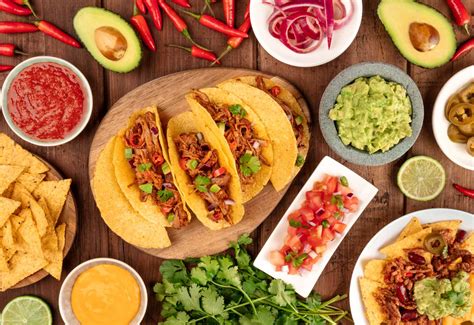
[295, 223]
[170, 288]
[286, 319]
[338, 201]
[244, 239]
[180, 318]
[238, 110]
[228, 272]
[282, 296]
[144, 167]
[190, 299]
[210, 265]
[159, 290]
[313, 301]
[212, 303]
[299, 160]
[201, 183]
[147, 188]
[249, 286]
[199, 276]
[174, 271]
[168, 309]
[165, 195]
[265, 315]
[249, 164]
[243, 259]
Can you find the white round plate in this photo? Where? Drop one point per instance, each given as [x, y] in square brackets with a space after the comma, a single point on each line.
[342, 38]
[386, 236]
[456, 152]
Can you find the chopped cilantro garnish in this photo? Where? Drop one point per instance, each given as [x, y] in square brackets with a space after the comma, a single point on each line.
[171, 217]
[295, 223]
[215, 188]
[344, 181]
[128, 153]
[299, 120]
[337, 215]
[165, 168]
[325, 224]
[165, 195]
[249, 164]
[238, 110]
[297, 261]
[221, 126]
[144, 167]
[299, 160]
[201, 183]
[338, 201]
[192, 164]
[147, 188]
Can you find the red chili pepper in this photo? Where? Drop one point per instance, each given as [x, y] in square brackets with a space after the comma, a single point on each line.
[10, 27]
[141, 6]
[229, 11]
[140, 24]
[53, 31]
[152, 6]
[198, 52]
[460, 13]
[182, 3]
[14, 9]
[466, 191]
[26, 3]
[217, 25]
[10, 50]
[463, 49]
[4, 67]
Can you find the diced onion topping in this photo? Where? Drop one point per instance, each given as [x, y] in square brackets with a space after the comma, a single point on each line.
[229, 202]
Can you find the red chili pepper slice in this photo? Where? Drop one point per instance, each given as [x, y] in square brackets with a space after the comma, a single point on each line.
[27, 4]
[182, 3]
[460, 13]
[463, 49]
[152, 6]
[218, 172]
[217, 25]
[10, 50]
[53, 31]
[141, 6]
[4, 67]
[140, 24]
[229, 11]
[13, 8]
[10, 27]
[276, 90]
[465, 191]
[198, 52]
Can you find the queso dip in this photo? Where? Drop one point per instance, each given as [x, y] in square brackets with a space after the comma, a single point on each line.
[105, 294]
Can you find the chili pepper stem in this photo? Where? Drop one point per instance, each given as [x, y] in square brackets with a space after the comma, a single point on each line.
[207, 5]
[187, 49]
[192, 14]
[224, 53]
[189, 38]
[21, 53]
[29, 6]
[466, 27]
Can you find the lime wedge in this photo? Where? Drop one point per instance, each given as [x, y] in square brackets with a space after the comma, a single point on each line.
[26, 310]
[421, 178]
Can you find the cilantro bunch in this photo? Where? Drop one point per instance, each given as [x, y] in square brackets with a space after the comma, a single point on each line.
[227, 289]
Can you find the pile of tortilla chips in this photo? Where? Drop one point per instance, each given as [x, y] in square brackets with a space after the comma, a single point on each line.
[412, 236]
[30, 206]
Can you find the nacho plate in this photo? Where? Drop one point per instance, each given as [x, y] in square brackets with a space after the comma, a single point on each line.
[387, 236]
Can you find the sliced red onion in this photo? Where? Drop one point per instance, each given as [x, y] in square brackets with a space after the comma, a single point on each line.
[320, 212]
[312, 224]
[313, 254]
[307, 248]
[154, 130]
[211, 207]
[199, 136]
[285, 268]
[168, 185]
[256, 145]
[350, 195]
[229, 202]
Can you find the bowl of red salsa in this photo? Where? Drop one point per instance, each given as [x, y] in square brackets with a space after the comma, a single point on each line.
[46, 101]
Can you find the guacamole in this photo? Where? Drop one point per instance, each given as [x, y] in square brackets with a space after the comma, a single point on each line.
[440, 298]
[372, 114]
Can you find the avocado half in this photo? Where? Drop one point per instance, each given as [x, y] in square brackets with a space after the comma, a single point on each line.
[398, 15]
[109, 38]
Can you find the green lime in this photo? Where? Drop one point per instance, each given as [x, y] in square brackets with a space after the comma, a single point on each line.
[26, 310]
[421, 178]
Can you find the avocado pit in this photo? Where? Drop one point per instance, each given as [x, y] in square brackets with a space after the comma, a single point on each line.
[424, 37]
[110, 42]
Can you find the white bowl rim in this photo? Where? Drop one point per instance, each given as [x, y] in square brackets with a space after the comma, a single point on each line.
[98, 261]
[464, 76]
[85, 85]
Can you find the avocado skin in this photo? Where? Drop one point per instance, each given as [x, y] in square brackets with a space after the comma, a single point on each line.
[447, 30]
[120, 23]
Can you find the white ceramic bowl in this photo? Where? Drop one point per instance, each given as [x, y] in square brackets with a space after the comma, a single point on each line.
[342, 38]
[65, 307]
[456, 152]
[87, 92]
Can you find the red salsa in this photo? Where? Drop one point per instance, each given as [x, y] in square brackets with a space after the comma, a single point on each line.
[46, 101]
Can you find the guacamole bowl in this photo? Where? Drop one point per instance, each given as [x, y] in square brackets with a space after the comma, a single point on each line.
[329, 127]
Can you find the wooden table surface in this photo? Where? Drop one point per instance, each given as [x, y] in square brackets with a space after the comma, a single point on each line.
[94, 239]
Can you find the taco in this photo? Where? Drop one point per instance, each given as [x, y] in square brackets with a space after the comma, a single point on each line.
[143, 171]
[284, 120]
[204, 172]
[117, 212]
[241, 134]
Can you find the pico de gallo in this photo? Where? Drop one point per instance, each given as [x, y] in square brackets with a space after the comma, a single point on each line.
[315, 224]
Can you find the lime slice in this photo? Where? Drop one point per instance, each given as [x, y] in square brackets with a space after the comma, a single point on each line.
[26, 310]
[421, 178]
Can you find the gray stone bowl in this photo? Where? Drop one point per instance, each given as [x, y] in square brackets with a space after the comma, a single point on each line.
[347, 76]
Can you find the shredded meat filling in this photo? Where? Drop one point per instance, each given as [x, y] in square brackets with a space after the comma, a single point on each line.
[147, 160]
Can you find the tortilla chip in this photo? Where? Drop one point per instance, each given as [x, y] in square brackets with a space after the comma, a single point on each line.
[468, 243]
[16, 222]
[7, 208]
[22, 265]
[8, 174]
[373, 310]
[53, 245]
[3, 262]
[12, 153]
[441, 225]
[8, 240]
[413, 241]
[30, 181]
[31, 240]
[20, 193]
[411, 228]
[117, 212]
[55, 193]
[180, 124]
[221, 97]
[279, 129]
[373, 270]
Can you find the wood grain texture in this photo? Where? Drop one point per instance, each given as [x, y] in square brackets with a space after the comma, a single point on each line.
[372, 44]
[168, 94]
[68, 216]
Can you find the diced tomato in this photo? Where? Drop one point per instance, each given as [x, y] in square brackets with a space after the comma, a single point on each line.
[315, 200]
[285, 250]
[277, 258]
[319, 186]
[182, 163]
[219, 171]
[157, 159]
[339, 227]
[317, 232]
[294, 243]
[278, 268]
[320, 249]
[307, 214]
[328, 234]
[352, 204]
[292, 269]
[343, 190]
[330, 207]
[309, 262]
[292, 231]
[331, 183]
[315, 242]
[331, 220]
[325, 215]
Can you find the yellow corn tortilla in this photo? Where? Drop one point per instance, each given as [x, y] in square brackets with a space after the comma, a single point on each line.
[8, 240]
[411, 228]
[399, 248]
[182, 124]
[12, 153]
[30, 181]
[126, 176]
[222, 97]
[278, 128]
[7, 208]
[452, 225]
[55, 193]
[21, 194]
[30, 237]
[54, 251]
[117, 212]
[22, 265]
[8, 174]
[373, 270]
[468, 243]
[373, 310]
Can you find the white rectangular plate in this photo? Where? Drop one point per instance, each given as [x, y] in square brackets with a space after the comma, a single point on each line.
[304, 282]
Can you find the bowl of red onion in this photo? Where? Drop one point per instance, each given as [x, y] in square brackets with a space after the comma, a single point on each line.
[305, 33]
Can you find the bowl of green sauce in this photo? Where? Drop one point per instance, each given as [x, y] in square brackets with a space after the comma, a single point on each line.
[371, 113]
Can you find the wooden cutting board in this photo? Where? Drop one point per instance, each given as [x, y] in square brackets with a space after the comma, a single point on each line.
[168, 94]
